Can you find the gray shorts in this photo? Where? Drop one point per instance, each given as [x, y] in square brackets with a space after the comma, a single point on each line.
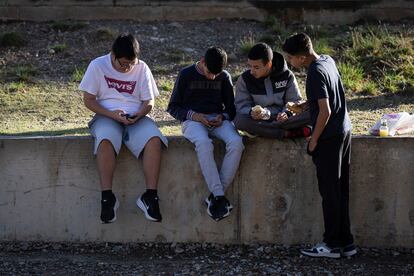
[135, 136]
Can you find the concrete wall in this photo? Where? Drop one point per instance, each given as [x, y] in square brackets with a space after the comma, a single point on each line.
[293, 11]
[49, 191]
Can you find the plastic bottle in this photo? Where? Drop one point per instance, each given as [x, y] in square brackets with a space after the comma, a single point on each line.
[383, 131]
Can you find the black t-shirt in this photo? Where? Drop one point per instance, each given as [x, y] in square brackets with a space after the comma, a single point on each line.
[323, 81]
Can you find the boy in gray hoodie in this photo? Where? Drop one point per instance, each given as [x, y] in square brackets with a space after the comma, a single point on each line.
[270, 84]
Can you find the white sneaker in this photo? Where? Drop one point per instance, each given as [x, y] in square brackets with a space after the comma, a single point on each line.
[348, 251]
[322, 250]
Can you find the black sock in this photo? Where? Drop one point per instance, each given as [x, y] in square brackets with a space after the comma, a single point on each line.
[107, 194]
[151, 192]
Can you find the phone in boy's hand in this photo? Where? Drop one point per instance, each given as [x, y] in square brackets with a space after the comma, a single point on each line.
[128, 116]
[211, 118]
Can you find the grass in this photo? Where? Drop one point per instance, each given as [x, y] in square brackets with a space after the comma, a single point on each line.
[21, 73]
[274, 25]
[246, 44]
[385, 58]
[12, 39]
[43, 107]
[59, 48]
[105, 34]
[165, 87]
[64, 26]
[77, 74]
[375, 62]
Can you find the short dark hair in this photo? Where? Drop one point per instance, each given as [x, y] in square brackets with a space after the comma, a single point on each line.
[298, 44]
[126, 46]
[215, 59]
[261, 51]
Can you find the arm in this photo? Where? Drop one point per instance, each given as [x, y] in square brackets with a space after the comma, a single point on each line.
[292, 90]
[292, 94]
[243, 101]
[321, 121]
[92, 104]
[176, 101]
[318, 91]
[228, 99]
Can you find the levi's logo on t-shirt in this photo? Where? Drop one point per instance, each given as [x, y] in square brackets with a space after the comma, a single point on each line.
[121, 86]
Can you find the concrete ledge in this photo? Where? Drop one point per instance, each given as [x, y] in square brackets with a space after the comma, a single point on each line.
[50, 191]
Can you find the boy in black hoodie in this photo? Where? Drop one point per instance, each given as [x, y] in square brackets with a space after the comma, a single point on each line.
[270, 84]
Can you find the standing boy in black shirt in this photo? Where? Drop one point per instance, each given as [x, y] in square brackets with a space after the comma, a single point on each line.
[329, 145]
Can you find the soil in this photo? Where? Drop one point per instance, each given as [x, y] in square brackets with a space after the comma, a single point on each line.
[36, 258]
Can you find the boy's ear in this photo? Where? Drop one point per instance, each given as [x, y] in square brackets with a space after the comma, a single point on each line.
[269, 64]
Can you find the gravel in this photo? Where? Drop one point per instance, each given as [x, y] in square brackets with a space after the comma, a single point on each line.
[41, 258]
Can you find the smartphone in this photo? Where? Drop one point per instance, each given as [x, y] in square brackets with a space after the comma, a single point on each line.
[211, 118]
[127, 116]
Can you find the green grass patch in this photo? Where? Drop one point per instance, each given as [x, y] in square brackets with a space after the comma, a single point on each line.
[12, 39]
[375, 62]
[321, 46]
[59, 48]
[105, 34]
[175, 55]
[274, 25]
[165, 87]
[385, 56]
[246, 44]
[43, 107]
[268, 39]
[354, 80]
[78, 74]
[160, 69]
[64, 26]
[21, 73]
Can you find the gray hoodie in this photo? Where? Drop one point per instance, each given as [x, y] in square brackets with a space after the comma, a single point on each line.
[271, 92]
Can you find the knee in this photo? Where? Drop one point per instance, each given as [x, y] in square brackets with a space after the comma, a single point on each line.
[154, 141]
[105, 144]
[104, 147]
[241, 122]
[235, 144]
[204, 145]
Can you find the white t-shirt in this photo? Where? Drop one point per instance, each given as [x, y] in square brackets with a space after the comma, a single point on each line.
[115, 90]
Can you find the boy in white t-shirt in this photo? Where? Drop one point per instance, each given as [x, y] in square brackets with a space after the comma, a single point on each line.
[120, 89]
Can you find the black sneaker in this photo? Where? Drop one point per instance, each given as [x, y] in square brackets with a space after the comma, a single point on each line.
[149, 205]
[322, 250]
[348, 251]
[108, 209]
[210, 198]
[218, 207]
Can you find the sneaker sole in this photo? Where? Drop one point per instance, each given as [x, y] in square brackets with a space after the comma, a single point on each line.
[207, 202]
[116, 206]
[349, 253]
[141, 206]
[321, 255]
[229, 208]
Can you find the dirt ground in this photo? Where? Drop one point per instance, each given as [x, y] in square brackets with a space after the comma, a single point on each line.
[35, 258]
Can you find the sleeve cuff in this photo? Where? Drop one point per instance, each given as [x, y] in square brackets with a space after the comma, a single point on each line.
[190, 114]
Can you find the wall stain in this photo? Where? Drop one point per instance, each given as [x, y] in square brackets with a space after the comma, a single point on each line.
[42, 188]
[411, 217]
[378, 204]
